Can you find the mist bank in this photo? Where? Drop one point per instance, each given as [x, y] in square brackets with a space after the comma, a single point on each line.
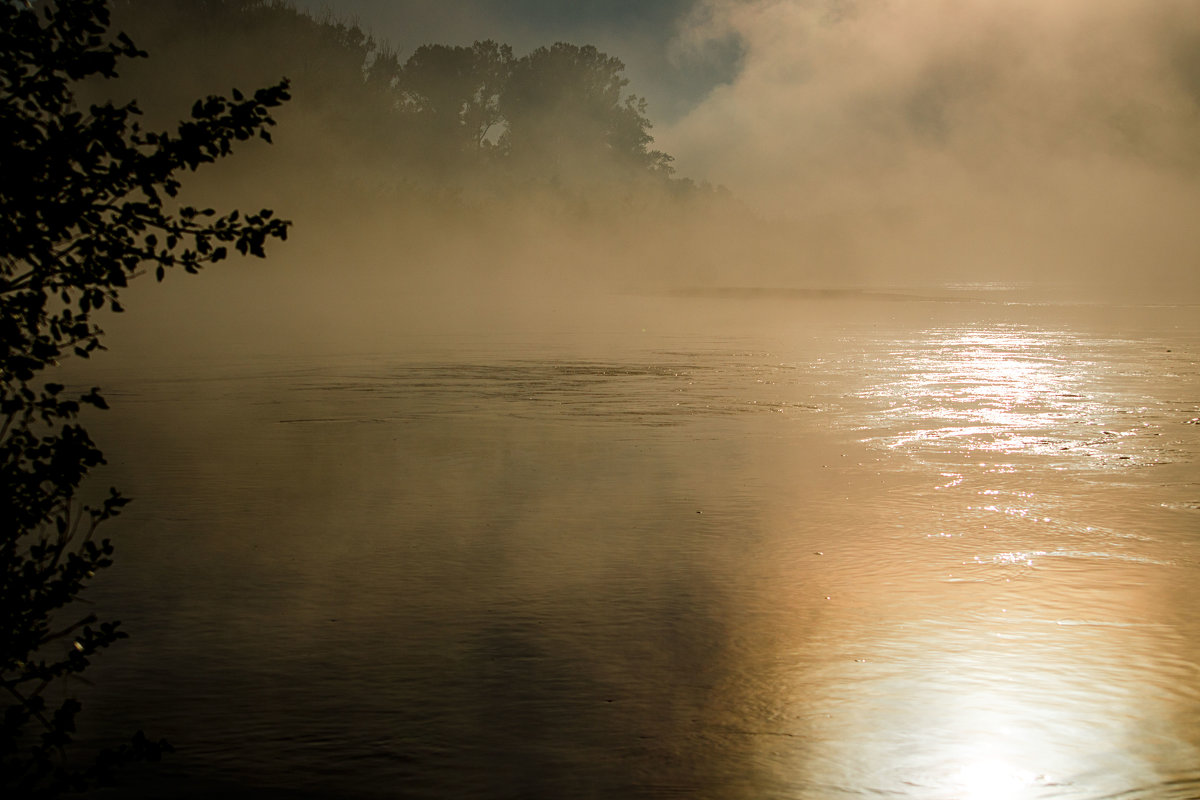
[471, 183]
[474, 156]
[1043, 141]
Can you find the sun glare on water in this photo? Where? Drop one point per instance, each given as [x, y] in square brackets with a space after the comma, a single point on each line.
[1005, 390]
[992, 779]
[1018, 651]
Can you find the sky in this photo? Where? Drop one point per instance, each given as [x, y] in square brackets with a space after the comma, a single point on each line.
[1019, 132]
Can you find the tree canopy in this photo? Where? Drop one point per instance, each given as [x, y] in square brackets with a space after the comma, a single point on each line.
[444, 115]
[565, 104]
[452, 94]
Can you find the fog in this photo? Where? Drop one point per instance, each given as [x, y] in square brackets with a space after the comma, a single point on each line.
[976, 140]
[853, 146]
[851, 451]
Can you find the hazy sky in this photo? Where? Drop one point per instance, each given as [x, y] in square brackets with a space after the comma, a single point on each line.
[1027, 134]
[980, 84]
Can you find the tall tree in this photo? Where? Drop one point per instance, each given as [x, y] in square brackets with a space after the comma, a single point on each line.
[566, 109]
[87, 202]
[452, 94]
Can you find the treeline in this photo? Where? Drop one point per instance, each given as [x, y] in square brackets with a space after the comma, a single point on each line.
[454, 120]
[474, 156]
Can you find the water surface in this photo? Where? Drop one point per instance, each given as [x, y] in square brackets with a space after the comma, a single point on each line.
[741, 546]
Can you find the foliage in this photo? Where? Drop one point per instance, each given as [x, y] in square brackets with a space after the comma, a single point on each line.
[554, 113]
[445, 116]
[88, 200]
[452, 94]
[566, 103]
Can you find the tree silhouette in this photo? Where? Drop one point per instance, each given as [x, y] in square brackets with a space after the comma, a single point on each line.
[444, 120]
[452, 94]
[87, 202]
[566, 112]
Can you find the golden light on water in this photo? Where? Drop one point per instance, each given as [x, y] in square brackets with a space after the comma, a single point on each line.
[993, 388]
[972, 708]
[934, 578]
[1016, 654]
[992, 779]
[998, 391]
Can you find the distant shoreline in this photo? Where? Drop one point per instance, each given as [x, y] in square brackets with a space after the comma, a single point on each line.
[780, 292]
[999, 295]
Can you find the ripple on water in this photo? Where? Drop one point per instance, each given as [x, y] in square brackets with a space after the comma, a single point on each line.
[993, 599]
[1016, 390]
[654, 393]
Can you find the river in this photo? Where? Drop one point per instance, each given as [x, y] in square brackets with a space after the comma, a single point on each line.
[714, 545]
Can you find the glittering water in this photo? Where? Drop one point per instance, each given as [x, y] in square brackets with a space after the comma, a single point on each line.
[739, 547]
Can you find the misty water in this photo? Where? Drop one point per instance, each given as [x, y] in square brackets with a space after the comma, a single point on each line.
[746, 545]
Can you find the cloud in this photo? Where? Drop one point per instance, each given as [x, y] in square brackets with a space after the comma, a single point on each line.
[989, 130]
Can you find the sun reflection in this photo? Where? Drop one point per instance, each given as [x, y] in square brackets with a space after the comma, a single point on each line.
[992, 779]
[1022, 649]
[1003, 390]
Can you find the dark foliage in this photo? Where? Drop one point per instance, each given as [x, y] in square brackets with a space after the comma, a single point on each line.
[87, 202]
[451, 95]
[567, 102]
[445, 116]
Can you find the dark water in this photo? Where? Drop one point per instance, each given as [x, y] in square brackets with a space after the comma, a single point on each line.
[743, 547]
